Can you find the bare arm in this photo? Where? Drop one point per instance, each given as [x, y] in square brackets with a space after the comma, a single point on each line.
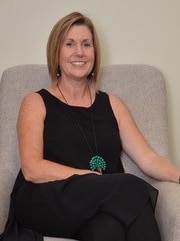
[138, 149]
[30, 126]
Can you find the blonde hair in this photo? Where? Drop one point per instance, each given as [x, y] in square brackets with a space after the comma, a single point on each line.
[56, 37]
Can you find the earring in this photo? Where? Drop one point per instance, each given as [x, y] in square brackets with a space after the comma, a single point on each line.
[58, 71]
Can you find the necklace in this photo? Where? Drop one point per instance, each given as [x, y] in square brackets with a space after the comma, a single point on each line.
[96, 162]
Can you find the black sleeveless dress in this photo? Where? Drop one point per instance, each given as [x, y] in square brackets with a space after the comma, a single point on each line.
[60, 208]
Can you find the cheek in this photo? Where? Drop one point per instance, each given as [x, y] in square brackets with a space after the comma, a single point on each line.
[62, 58]
[92, 56]
[62, 55]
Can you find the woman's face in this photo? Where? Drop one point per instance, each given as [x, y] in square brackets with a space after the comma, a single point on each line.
[76, 57]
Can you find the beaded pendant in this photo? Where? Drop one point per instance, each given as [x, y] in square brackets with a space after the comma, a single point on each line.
[97, 163]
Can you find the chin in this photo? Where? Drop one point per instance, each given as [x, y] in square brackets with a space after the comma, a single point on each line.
[80, 76]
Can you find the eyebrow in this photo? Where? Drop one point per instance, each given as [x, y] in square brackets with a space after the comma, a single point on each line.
[70, 39]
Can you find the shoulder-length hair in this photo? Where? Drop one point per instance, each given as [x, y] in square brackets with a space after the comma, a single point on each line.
[55, 40]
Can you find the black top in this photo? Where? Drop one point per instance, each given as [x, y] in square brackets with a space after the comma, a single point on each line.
[61, 127]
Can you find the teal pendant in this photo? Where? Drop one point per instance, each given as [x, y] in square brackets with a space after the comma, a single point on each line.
[97, 163]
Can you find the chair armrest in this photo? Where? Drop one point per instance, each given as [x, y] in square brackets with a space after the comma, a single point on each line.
[168, 210]
[5, 191]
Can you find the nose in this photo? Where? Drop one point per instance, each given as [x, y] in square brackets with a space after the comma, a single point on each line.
[79, 50]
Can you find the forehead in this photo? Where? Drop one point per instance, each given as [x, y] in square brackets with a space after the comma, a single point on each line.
[79, 32]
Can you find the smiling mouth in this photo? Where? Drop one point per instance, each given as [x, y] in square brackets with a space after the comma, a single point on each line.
[78, 63]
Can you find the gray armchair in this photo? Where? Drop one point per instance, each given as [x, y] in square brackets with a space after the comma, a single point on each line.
[141, 87]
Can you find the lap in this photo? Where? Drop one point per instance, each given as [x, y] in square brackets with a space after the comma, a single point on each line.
[71, 203]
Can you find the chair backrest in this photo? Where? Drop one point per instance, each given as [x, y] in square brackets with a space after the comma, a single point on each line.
[141, 87]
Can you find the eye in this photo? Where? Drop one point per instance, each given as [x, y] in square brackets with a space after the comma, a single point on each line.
[69, 44]
[87, 44]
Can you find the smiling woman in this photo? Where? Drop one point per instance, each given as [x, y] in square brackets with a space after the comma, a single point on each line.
[72, 183]
[57, 38]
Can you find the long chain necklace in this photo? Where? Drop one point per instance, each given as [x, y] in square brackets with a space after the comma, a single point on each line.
[96, 162]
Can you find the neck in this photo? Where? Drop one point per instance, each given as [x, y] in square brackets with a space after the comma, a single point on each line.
[76, 84]
[74, 89]
[75, 95]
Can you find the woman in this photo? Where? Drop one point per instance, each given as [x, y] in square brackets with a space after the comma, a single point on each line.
[72, 183]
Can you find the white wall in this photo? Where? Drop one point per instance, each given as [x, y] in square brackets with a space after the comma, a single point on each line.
[131, 31]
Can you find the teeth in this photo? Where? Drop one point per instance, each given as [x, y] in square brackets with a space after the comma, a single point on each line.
[78, 63]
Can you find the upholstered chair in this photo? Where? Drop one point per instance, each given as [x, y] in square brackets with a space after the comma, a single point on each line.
[141, 87]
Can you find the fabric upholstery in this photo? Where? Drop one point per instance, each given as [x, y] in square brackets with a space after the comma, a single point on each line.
[141, 87]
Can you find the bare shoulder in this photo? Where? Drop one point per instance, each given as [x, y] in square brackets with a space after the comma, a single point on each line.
[33, 100]
[32, 105]
[116, 102]
[32, 97]
[119, 108]
[114, 98]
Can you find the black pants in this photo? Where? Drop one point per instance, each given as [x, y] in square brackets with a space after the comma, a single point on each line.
[105, 227]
